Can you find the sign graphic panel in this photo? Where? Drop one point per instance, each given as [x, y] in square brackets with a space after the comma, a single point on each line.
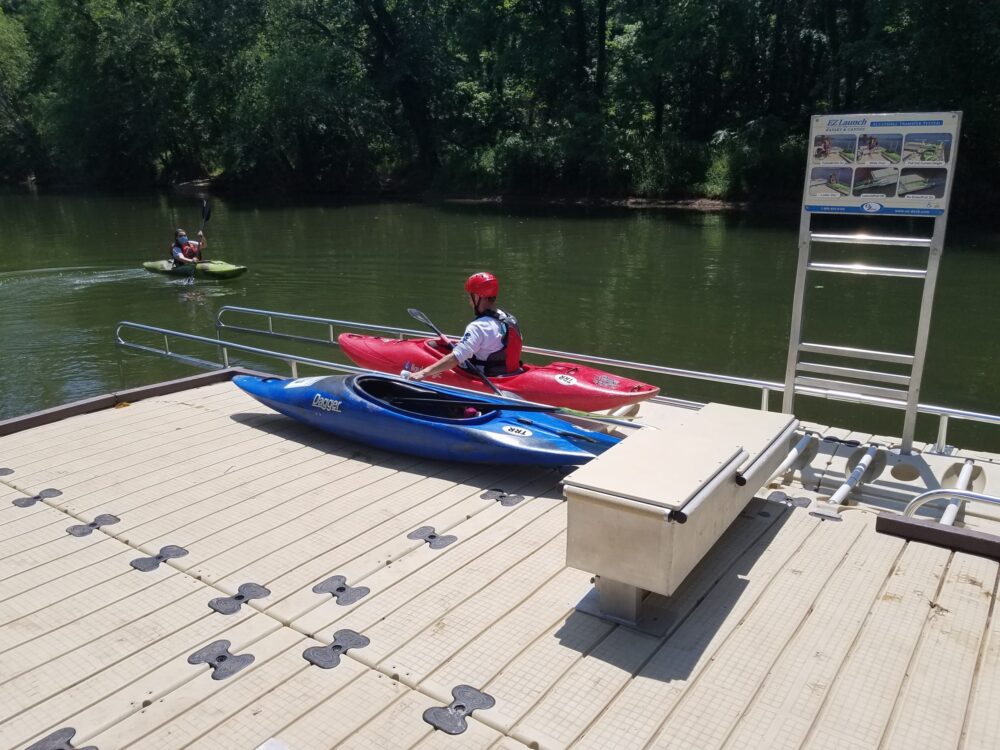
[881, 164]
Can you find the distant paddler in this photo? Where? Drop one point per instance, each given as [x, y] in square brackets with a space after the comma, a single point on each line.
[186, 251]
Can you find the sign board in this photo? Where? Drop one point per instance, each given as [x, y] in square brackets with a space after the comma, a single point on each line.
[888, 164]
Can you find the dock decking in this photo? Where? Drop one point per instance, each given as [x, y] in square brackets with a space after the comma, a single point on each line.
[793, 632]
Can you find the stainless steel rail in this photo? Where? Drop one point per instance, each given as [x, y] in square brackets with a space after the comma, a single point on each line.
[963, 495]
[766, 387]
[331, 324]
[293, 361]
[271, 315]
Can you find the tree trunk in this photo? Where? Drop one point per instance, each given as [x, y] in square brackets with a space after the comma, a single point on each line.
[856, 33]
[658, 107]
[580, 40]
[405, 81]
[833, 34]
[775, 87]
[602, 48]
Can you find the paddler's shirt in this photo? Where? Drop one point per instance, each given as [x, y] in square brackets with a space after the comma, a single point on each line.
[482, 337]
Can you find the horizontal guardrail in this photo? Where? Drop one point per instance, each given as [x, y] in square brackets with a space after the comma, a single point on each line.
[766, 387]
[272, 315]
[330, 323]
[293, 360]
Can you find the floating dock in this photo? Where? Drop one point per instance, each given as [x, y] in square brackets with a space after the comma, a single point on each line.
[912, 183]
[191, 570]
[921, 151]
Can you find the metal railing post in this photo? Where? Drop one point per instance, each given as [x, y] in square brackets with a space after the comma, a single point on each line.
[942, 436]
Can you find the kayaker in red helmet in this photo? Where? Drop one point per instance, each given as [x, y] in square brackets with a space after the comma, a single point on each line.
[492, 342]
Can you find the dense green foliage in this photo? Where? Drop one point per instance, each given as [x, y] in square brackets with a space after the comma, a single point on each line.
[575, 97]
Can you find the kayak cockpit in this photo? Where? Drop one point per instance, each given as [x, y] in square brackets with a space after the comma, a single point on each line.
[410, 398]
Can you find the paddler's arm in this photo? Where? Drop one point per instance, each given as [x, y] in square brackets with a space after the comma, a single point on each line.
[447, 362]
[471, 339]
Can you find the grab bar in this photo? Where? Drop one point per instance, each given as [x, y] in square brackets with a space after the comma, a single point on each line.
[965, 495]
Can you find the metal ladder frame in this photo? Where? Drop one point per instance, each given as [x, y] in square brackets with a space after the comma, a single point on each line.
[909, 392]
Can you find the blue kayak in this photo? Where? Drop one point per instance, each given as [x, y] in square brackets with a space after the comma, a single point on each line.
[429, 420]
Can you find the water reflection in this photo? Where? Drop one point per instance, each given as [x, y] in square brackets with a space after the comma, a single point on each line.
[192, 294]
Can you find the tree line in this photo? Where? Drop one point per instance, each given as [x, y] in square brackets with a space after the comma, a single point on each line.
[657, 98]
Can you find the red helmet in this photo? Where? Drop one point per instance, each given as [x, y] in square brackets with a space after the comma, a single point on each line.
[484, 284]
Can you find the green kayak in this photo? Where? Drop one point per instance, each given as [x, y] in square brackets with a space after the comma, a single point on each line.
[210, 269]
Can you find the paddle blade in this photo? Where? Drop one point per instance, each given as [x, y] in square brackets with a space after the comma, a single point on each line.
[206, 212]
[417, 315]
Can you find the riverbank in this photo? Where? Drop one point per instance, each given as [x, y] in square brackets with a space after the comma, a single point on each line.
[965, 217]
[688, 204]
[969, 213]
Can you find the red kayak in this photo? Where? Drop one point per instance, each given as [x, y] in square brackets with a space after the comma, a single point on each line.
[559, 383]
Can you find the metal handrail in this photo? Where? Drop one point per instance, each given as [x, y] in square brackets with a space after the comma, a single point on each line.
[329, 322]
[931, 495]
[764, 386]
[944, 413]
[295, 360]
[402, 332]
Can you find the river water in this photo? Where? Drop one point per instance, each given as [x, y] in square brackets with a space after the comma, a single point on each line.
[701, 291]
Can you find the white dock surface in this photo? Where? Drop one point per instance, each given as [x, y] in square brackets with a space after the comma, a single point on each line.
[793, 632]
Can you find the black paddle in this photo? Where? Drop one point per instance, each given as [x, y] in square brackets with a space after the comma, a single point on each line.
[206, 214]
[417, 315]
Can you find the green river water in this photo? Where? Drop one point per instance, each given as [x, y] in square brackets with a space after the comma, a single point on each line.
[701, 291]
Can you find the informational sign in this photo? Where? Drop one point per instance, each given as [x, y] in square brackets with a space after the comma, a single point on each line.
[881, 164]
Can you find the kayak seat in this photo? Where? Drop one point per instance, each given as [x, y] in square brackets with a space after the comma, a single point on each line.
[382, 388]
[416, 400]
